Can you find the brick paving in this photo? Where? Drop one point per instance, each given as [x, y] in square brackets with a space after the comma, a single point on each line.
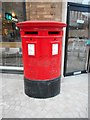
[71, 103]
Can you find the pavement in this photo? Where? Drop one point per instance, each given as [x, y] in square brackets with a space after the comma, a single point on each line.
[72, 102]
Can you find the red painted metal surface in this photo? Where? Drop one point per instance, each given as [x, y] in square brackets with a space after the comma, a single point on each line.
[42, 49]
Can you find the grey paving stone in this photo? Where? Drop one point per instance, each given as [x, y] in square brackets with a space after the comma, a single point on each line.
[72, 102]
[12, 107]
[17, 108]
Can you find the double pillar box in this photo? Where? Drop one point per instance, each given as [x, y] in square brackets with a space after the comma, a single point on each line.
[42, 54]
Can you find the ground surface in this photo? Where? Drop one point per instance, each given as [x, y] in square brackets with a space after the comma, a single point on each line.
[71, 103]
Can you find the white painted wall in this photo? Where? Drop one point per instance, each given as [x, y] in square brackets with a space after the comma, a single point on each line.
[64, 18]
[75, 1]
[80, 1]
[85, 1]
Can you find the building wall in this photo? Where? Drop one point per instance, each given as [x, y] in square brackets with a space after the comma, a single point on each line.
[44, 11]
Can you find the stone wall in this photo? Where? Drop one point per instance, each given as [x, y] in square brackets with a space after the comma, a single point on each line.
[44, 11]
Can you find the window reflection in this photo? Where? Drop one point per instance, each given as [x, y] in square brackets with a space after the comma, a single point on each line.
[10, 46]
[78, 35]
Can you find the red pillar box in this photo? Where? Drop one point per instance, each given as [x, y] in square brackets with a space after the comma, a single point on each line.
[42, 51]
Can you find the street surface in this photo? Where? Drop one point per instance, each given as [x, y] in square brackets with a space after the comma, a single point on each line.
[71, 103]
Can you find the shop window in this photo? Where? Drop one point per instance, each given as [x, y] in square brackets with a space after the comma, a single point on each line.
[10, 46]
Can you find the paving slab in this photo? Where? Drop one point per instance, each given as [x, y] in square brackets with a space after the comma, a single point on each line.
[72, 102]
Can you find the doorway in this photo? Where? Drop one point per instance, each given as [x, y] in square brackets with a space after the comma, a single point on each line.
[77, 34]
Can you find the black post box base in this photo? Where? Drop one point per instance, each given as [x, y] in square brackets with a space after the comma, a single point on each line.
[42, 89]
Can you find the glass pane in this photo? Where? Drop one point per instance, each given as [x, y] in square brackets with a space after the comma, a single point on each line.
[78, 35]
[11, 41]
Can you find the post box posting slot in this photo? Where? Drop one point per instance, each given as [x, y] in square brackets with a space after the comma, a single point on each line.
[55, 32]
[31, 33]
